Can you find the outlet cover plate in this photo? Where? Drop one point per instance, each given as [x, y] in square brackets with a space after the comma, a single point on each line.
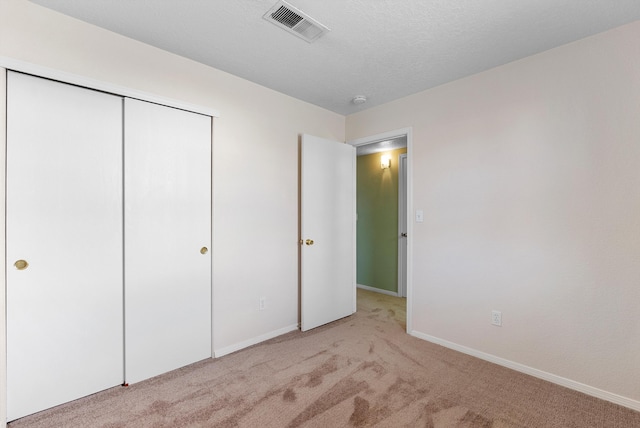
[496, 318]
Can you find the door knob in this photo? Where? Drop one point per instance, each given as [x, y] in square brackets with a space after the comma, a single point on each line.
[309, 242]
[404, 235]
[21, 264]
[204, 250]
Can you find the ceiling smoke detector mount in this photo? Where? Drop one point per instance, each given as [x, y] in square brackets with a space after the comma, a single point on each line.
[359, 99]
[295, 21]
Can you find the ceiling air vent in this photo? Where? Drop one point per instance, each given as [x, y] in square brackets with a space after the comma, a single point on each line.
[295, 21]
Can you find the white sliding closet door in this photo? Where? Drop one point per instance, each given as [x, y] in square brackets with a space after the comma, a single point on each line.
[64, 243]
[167, 237]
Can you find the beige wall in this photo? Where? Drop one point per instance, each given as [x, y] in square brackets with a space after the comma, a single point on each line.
[255, 171]
[529, 175]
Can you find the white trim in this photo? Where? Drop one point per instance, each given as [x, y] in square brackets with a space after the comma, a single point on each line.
[402, 211]
[377, 290]
[381, 137]
[253, 341]
[74, 79]
[558, 380]
[3, 301]
[387, 136]
[354, 230]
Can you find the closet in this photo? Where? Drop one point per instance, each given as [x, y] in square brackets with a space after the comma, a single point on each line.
[108, 229]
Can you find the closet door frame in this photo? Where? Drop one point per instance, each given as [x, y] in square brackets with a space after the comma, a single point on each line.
[111, 88]
[6, 64]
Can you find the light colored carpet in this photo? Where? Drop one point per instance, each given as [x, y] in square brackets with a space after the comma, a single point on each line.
[363, 370]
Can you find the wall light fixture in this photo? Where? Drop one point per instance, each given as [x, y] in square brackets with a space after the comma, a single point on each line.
[385, 161]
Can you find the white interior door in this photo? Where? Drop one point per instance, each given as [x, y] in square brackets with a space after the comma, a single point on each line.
[328, 290]
[64, 219]
[167, 237]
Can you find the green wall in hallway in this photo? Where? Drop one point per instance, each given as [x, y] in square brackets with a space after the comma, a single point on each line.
[377, 232]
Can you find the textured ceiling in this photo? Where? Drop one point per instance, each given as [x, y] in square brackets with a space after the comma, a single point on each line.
[383, 49]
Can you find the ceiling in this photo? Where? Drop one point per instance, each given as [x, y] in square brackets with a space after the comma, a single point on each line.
[382, 49]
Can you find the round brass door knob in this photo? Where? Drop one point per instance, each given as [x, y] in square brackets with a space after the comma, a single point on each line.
[21, 264]
[309, 242]
[204, 250]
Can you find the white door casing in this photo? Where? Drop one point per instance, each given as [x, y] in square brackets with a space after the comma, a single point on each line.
[402, 225]
[328, 219]
[64, 218]
[167, 223]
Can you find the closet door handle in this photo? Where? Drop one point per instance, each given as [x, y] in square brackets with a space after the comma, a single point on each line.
[21, 264]
[204, 250]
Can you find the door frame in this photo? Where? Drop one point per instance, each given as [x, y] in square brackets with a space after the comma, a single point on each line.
[408, 133]
[7, 63]
[403, 214]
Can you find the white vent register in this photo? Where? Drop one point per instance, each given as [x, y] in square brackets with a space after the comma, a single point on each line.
[295, 21]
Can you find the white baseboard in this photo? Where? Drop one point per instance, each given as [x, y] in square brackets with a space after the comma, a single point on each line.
[253, 341]
[377, 290]
[559, 380]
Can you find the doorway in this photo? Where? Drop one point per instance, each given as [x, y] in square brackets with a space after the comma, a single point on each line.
[383, 226]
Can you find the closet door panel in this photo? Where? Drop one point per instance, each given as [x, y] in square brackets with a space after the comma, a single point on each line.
[64, 219]
[167, 225]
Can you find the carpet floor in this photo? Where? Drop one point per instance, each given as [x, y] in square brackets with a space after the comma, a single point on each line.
[363, 370]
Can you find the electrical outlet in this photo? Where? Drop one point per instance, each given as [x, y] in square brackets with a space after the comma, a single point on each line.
[263, 303]
[496, 318]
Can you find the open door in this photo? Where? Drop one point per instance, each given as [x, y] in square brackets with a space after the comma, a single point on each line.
[327, 226]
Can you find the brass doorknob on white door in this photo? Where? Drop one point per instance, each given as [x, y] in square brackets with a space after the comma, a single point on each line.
[21, 264]
[309, 242]
[204, 250]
